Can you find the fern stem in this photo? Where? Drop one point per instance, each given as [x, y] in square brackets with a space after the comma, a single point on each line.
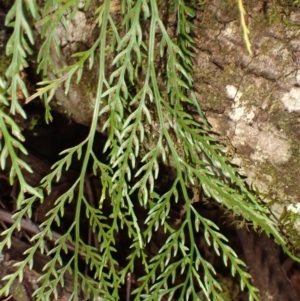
[90, 138]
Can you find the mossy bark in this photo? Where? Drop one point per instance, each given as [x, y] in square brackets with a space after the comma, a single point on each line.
[254, 101]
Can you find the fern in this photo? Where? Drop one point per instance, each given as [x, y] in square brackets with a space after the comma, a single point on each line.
[148, 124]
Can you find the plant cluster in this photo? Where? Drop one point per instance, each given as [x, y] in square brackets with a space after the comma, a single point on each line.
[134, 155]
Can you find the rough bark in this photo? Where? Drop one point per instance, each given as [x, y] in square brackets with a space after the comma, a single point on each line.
[253, 101]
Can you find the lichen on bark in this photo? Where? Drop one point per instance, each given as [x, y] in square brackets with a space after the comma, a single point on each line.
[256, 120]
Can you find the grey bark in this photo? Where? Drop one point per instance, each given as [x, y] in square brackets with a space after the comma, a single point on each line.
[254, 101]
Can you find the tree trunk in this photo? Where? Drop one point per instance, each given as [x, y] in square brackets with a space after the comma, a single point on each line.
[254, 101]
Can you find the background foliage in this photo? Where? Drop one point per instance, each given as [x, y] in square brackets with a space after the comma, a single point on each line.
[148, 116]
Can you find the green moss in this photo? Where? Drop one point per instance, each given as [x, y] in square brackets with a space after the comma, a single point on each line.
[285, 177]
[213, 99]
[4, 63]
